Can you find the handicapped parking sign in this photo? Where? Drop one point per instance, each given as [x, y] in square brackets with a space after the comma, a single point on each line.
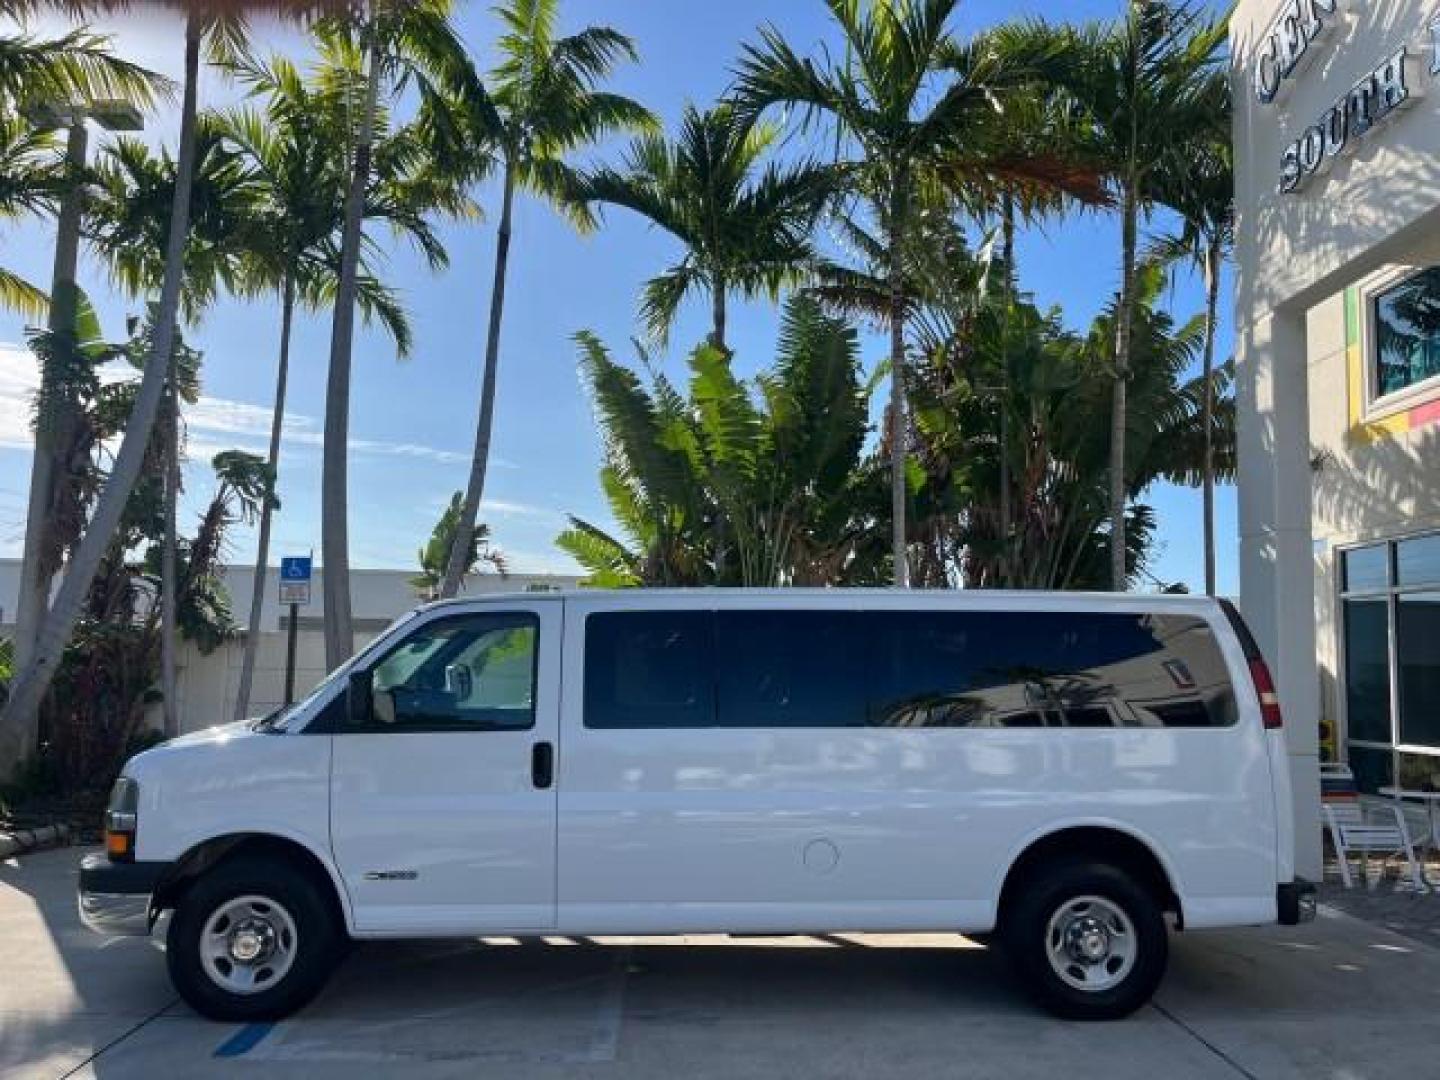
[295, 579]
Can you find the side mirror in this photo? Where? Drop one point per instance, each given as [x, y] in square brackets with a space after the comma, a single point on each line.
[460, 681]
[358, 695]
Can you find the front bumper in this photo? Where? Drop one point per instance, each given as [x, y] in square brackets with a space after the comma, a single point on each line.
[1296, 900]
[115, 897]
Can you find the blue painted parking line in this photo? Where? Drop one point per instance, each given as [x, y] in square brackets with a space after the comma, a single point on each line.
[243, 1041]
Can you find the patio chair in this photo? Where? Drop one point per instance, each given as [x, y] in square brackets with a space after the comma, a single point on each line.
[1364, 830]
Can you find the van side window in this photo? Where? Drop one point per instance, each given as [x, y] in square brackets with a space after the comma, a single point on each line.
[1053, 669]
[915, 669]
[650, 669]
[466, 673]
[789, 669]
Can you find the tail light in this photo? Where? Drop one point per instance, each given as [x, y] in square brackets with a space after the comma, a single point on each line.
[1265, 691]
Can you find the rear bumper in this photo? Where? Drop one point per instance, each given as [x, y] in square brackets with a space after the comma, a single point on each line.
[115, 897]
[1295, 901]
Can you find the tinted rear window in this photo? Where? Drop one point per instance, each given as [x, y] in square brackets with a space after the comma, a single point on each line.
[809, 669]
[789, 669]
[650, 669]
[1075, 669]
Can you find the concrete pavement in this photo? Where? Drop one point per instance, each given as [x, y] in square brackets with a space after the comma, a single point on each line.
[1339, 999]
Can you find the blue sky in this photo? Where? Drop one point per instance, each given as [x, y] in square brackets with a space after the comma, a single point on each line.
[413, 421]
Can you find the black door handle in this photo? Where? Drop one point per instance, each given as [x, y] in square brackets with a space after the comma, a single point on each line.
[542, 765]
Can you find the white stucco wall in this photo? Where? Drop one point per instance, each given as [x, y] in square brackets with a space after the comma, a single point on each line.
[1306, 484]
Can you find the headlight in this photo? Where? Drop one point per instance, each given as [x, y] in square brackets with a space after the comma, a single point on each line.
[121, 817]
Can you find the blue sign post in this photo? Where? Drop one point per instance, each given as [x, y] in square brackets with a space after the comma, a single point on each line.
[295, 579]
[294, 591]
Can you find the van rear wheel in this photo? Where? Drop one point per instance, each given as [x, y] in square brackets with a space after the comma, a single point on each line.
[1088, 941]
[252, 939]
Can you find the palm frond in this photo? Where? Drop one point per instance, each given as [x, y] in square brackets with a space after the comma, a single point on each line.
[21, 297]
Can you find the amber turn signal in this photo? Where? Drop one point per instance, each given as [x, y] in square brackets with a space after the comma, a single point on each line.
[119, 845]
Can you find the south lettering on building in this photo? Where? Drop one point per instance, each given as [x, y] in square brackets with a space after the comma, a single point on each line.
[1396, 81]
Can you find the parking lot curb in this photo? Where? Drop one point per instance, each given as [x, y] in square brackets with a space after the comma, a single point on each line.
[24, 840]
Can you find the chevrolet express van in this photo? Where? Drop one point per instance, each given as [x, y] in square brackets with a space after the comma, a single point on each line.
[1070, 774]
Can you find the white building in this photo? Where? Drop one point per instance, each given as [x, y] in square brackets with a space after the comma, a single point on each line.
[207, 684]
[1337, 138]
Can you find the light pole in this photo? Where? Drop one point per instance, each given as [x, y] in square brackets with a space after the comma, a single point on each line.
[40, 562]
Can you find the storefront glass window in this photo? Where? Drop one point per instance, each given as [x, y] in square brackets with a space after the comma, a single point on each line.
[1407, 332]
[1367, 568]
[1367, 669]
[1418, 772]
[1417, 643]
[1391, 639]
[1373, 768]
[1419, 561]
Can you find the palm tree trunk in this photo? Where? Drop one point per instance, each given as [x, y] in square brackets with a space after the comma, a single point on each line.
[1124, 325]
[717, 312]
[1207, 418]
[169, 579]
[898, 493]
[41, 558]
[479, 462]
[262, 553]
[1007, 223]
[34, 680]
[334, 475]
[717, 339]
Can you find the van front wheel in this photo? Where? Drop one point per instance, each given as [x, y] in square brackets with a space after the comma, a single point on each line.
[1087, 940]
[252, 939]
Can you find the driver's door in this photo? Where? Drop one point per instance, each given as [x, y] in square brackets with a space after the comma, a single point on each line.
[442, 804]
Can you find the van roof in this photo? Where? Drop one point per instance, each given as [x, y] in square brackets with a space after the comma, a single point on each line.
[1021, 598]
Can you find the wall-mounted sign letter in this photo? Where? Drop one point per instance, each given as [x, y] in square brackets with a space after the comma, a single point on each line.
[1285, 46]
[1366, 104]
[1267, 69]
[1390, 84]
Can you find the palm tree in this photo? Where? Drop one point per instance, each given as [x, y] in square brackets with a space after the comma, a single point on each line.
[1057, 404]
[436, 552]
[921, 110]
[373, 56]
[1149, 85]
[78, 66]
[1204, 196]
[545, 106]
[127, 220]
[293, 155]
[17, 720]
[52, 75]
[743, 230]
[30, 176]
[127, 216]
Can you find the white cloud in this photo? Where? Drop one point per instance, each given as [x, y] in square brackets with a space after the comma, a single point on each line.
[213, 423]
[19, 379]
[405, 449]
[223, 415]
[501, 508]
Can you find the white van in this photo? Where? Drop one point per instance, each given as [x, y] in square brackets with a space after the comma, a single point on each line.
[1062, 771]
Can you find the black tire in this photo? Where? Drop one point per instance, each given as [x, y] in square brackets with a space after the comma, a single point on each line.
[1062, 887]
[314, 946]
